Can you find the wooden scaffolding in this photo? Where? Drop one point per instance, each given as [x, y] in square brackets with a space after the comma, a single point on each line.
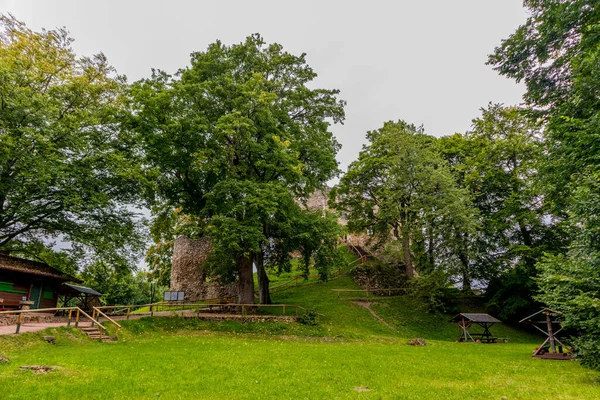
[552, 348]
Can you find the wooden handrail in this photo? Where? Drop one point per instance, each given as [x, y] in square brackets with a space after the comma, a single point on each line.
[198, 303]
[367, 291]
[117, 325]
[274, 305]
[70, 309]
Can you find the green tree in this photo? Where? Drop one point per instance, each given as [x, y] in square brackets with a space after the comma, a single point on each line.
[65, 170]
[234, 139]
[401, 190]
[118, 287]
[556, 54]
[498, 161]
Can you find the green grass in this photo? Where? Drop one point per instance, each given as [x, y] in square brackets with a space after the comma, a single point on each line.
[199, 364]
[174, 358]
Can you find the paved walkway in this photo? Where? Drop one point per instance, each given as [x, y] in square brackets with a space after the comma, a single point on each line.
[40, 326]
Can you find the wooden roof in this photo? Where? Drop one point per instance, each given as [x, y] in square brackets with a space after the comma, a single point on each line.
[475, 317]
[23, 266]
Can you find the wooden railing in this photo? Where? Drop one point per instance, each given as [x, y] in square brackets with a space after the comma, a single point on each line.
[155, 307]
[96, 315]
[78, 312]
[367, 291]
[246, 307]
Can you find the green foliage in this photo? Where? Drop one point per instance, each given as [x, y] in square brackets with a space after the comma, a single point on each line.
[570, 283]
[498, 162]
[432, 290]
[556, 54]
[401, 189]
[310, 318]
[233, 140]
[379, 275]
[118, 287]
[66, 169]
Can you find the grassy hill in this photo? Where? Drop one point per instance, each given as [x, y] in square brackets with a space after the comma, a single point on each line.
[352, 354]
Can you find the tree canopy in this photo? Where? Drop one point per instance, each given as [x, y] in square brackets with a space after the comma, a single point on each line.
[66, 172]
[556, 54]
[401, 189]
[233, 140]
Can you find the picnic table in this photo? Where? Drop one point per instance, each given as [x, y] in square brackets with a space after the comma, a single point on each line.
[466, 321]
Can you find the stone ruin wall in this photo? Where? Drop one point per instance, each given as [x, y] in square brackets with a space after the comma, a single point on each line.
[187, 274]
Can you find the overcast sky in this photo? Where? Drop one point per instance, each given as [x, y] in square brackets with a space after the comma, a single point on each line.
[420, 60]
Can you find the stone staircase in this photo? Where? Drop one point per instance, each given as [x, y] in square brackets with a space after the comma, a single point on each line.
[94, 334]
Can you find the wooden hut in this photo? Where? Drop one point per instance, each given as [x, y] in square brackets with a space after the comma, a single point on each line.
[29, 282]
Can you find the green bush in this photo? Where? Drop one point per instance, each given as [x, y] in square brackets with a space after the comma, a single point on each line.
[310, 318]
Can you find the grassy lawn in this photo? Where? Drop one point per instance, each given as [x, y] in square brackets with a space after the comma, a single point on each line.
[174, 358]
[199, 364]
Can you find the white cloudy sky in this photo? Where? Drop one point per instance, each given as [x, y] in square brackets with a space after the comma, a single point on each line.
[418, 60]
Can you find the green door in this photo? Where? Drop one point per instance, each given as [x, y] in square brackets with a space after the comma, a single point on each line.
[36, 293]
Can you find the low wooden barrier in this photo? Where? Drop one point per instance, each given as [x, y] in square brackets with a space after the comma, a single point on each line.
[244, 308]
[78, 313]
[389, 292]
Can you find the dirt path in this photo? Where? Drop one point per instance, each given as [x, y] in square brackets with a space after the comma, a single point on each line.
[367, 305]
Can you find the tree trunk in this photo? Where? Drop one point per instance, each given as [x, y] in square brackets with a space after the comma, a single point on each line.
[263, 279]
[527, 241]
[408, 261]
[246, 280]
[466, 276]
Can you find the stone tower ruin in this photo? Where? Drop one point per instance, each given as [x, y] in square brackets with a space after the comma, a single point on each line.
[188, 274]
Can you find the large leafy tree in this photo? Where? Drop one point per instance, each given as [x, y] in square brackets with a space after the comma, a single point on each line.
[556, 54]
[66, 174]
[498, 162]
[401, 189]
[234, 138]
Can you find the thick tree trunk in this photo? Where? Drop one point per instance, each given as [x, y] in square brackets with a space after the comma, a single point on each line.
[263, 279]
[246, 280]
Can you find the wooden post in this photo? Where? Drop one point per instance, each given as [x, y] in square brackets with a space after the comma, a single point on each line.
[296, 311]
[151, 310]
[19, 320]
[244, 311]
[128, 311]
[283, 310]
[69, 321]
[77, 319]
[550, 333]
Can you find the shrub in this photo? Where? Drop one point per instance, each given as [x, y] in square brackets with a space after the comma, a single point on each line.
[310, 318]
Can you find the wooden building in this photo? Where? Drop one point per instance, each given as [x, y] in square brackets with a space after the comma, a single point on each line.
[25, 280]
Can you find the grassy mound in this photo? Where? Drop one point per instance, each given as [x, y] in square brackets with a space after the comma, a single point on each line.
[358, 350]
